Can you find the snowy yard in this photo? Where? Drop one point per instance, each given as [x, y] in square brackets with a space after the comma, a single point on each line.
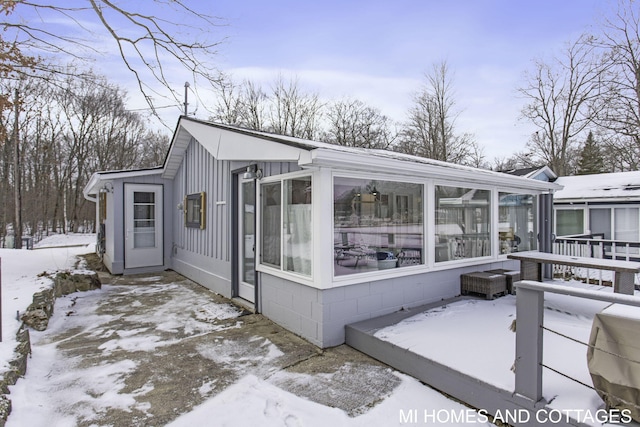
[65, 392]
[472, 336]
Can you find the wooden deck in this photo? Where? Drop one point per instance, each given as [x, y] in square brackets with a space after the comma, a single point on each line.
[466, 388]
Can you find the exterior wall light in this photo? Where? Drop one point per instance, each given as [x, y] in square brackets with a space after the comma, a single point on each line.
[252, 172]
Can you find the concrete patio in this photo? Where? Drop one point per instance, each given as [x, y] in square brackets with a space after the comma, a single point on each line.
[146, 348]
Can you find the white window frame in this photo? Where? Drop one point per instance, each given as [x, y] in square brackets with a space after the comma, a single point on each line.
[280, 271]
[582, 208]
[493, 223]
[394, 272]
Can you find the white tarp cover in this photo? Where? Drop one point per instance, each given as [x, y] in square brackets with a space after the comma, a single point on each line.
[613, 357]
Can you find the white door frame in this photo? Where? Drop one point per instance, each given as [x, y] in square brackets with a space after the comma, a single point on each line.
[246, 242]
[143, 225]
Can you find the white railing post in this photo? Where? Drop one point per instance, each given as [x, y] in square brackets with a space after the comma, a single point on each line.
[528, 364]
[529, 321]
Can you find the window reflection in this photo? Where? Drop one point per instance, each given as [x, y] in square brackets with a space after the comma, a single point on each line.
[378, 225]
[518, 223]
[463, 218]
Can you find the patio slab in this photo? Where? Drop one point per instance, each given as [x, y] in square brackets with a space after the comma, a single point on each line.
[147, 348]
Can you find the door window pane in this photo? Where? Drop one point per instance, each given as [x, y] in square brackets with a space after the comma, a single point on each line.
[144, 224]
[626, 225]
[144, 197]
[378, 225]
[600, 222]
[462, 223]
[248, 232]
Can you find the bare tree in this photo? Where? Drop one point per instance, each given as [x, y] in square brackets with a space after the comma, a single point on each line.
[242, 105]
[254, 105]
[353, 123]
[154, 146]
[560, 95]
[228, 103]
[618, 105]
[518, 160]
[65, 134]
[150, 43]
[430, 129]
[293, 112]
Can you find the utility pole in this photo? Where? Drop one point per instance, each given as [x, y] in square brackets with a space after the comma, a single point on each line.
[186, 104]
[17, 226]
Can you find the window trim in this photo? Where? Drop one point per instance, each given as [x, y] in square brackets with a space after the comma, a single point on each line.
[492, 221]
[426, 218]
[189, 199]
[280, 271]
[581, 208]
[322, 276]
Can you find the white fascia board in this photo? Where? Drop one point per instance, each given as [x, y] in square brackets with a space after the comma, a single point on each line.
[91, 187]
[176, 152]
[98, 178]
[607, 200]
[235, 146]
[228, 145]
[374, 163]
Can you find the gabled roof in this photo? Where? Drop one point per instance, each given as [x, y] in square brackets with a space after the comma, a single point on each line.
[541, 173]
[232, 143]
[602, 187]
[226, 142]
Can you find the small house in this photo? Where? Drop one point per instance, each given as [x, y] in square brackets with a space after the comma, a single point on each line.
[606, 205]
[312, 235]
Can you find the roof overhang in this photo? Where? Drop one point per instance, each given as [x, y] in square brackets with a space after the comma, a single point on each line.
[410, 166]
[236, 145]
[99, 179]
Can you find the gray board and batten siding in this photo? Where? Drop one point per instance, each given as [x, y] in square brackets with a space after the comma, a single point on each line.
[114, 255]
[205, 255]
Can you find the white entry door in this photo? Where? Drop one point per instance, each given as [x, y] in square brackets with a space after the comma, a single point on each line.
[143, 225]
[247, 240]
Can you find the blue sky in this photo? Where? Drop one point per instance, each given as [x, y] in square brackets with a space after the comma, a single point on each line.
[378, 52]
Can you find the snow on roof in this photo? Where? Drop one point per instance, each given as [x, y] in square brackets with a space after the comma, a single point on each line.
[616, 186]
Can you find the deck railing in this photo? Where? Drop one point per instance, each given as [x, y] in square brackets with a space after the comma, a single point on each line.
[530, 324]
[592, 246]
[596, 246]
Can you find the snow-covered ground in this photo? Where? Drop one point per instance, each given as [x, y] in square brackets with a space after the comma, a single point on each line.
[250, 401]
[475, 338]
[22, 276]
[484, 344]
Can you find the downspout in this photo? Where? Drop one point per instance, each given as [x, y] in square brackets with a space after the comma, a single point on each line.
[546, 236]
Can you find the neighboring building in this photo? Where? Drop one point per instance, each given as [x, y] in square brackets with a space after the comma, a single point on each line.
[606, 204]
[540, 173]
[313, 235]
